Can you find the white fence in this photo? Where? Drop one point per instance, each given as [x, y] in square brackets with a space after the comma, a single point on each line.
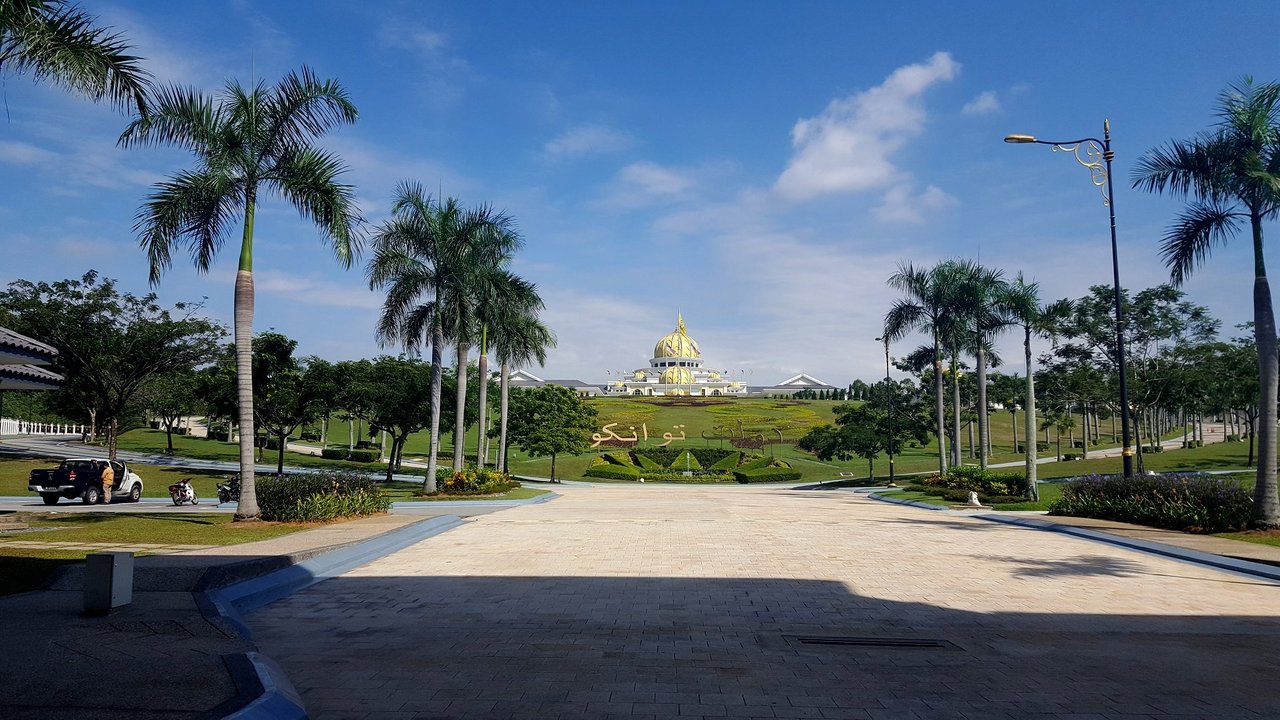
[10, 426]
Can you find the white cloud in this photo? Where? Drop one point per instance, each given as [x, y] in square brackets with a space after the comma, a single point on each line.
[985, 104]
[586, 140]
[848, 147]
[645, 183]
[308, 290]
[901, 206]
[20, 153]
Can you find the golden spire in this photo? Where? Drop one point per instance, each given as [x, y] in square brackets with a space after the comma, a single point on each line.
[680, 323]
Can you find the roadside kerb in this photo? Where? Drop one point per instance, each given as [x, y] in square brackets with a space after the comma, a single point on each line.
[1173, 552]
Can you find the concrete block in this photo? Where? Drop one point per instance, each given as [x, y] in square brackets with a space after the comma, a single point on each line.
[108, 581]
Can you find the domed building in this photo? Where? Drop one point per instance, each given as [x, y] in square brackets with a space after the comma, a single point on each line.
[676, 369]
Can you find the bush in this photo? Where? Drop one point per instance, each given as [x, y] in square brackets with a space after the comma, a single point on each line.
[333, 453]
[685, 461]
[1194, 503]
[1070, 456]
[310, 435]
[473, 481]
[313, 497]
[219, 435]
[706, 457]
[767, 474]
[983, 482]
[1040, 447]
[619, 458]
[647, 463]
[366, 445]
[609, 471]
[364, 456]
[1152, 448]
[1233, 438]
[181, 431]
[756, 464]
[727, 464]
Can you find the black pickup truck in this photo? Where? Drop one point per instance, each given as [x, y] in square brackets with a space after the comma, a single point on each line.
[82, 478]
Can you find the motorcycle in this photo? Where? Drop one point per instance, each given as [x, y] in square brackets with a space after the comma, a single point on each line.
[229, 491]
[183, 491]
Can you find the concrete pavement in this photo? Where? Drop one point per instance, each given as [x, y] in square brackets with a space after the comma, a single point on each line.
[763, 602]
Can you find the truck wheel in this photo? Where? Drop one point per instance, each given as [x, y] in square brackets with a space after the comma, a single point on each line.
[50, 498]
[135, 493]
[92, 495]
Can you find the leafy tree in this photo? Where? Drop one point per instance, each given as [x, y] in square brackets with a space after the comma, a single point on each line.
[246, 141]
[172, 396]
[1230, 175]
[55, 40]
[397, 404]
[283, 399]
[110, 344]
[550, 420]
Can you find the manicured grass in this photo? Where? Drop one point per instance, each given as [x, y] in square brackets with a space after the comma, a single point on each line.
[1048, 493]
[1218, 456]
[24, 569]
[1262, 537]
[153, 442]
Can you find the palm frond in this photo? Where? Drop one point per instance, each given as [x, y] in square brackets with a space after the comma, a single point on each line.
[1189, 241]
[197, 207]
[308, 179]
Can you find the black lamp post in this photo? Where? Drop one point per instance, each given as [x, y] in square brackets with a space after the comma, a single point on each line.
[1097, 156]
[889, 394]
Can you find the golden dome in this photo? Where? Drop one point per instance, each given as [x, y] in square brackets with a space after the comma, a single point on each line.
[714, 376]
[638, 375]
[677, 376]
[677, 344]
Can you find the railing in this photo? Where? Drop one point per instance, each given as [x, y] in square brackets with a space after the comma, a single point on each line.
[11, 426]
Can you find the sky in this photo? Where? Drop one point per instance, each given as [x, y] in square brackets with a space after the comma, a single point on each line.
[760, 167]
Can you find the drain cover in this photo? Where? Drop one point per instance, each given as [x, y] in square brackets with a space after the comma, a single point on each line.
[873, 642]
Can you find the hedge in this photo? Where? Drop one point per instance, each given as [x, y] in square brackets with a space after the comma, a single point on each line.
[473, 481]
[341, 453]
[334, 453]
[729, 463]
[1194, 503]
[647, 463]
[771, 474]
[757, 464]
[614, 472]
[985, 482]
[665, 456]
[685, 461]
[1040, 447]
[618, 458]
[319, 496]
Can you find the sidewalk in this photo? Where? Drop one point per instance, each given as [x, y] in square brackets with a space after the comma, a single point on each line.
[166, 655]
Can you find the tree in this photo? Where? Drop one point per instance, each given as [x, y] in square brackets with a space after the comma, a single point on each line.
[431, 258]
[283, 399]
[55, 40]
[1229, 175]
[110, 344]
[519, 338]
[550, 420]
[396, 403]
[246, 141]
[172, 396]
[512, 296]
[926, 308]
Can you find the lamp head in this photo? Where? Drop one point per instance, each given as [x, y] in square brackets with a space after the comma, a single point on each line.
[1020, 139]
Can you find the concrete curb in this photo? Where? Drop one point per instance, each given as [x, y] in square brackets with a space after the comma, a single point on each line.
[1173, 552]
[225, 606]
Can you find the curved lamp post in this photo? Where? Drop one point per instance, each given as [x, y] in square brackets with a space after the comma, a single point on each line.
[888, 394]
[1095, 155]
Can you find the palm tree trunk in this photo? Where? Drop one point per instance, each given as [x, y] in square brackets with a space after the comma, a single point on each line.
[1084, 444]
[460, 430]
[1266, 504]
[502, 415]
[982, 406]
[941, 405]
[247, 509]
[955, 411]
[1029, 418]
[437, 342]
[1013, 422]
[482, 453]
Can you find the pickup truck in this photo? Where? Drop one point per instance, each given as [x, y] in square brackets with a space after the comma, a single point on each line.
[82, 478]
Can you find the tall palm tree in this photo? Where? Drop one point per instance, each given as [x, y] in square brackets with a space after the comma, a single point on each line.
[519, 338]
[926, 309]
[983, 318]
[1021, 300]
[57, 41]
[245, 141]
[512, 298]
[1230, 174]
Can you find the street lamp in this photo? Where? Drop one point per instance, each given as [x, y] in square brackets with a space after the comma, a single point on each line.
[1095, 155]
[888, 393]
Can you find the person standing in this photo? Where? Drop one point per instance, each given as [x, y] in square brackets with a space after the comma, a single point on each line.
[108, 479]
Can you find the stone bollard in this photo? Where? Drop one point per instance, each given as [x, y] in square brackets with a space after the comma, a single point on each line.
[108, 582]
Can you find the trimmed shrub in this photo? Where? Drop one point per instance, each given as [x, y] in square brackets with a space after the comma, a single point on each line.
[1152, 448]
[1233, 438]
[647, 463]
[1040, 447]
[364, 456]
[727, 464]
[219, 435]
[310, 435]
[757, 464]
[666, 456]
[685, 461]
[365, 445]
[768, 474]
[618, 458]
[334, 453]
[319, 496]
[1070, 456]
[1189, 502]
[610, 471]
[473, 481]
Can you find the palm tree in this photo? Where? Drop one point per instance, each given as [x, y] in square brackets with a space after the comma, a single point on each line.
[1230, 174]
[979, 292]
[1021, 300]
[57, 41]
[519, 338]
[927, 309]
[512, 299]
[245, 141]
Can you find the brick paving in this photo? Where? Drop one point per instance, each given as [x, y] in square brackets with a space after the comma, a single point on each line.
[667, 602]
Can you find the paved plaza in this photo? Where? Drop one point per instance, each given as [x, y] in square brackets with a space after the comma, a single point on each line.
[654, 602]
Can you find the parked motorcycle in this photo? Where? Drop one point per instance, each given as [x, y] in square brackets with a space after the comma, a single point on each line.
[183, 491]
[229, 491]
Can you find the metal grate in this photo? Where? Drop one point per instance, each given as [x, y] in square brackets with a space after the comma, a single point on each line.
[873, 642]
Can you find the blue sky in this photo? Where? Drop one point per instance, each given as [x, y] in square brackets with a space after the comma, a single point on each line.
[760, 166]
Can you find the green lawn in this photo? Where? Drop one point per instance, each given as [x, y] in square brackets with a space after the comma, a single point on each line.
[24, 569]
[1048, 493]
[1218, 456]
